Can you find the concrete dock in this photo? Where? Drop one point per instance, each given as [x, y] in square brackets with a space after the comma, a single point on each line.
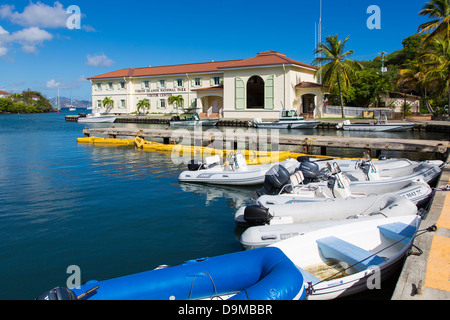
[427, 276]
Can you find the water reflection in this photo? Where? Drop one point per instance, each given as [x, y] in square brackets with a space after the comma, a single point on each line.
[236, 196]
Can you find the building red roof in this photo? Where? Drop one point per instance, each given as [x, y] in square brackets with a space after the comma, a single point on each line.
[3, 92]
[305, 85]
[261, 59]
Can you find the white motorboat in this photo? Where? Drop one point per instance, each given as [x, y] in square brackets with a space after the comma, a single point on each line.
[97, 118]
[236, 172]
[382, 125]
[349, 259]
[314, 209]
[192, 121]
[382, 207]
[289, 119]
[338, 186]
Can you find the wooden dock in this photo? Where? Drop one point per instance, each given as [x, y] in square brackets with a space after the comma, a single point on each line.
[305, 142]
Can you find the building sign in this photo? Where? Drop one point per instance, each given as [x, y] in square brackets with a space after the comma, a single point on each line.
[160, 90]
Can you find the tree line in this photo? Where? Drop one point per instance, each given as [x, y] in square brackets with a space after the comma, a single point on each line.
[421, 67]
[26, 102]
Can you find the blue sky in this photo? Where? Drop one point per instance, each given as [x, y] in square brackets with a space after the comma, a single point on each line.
[38, 51]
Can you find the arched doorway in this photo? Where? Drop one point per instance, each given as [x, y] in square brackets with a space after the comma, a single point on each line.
[308, 104]
[255, 93]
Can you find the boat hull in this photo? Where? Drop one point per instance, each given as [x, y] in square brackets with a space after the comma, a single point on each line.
[390, 249]
[288, 125]
[379, 127]
[265, 274]
[192, 123]
[97, 119]
[254, 175]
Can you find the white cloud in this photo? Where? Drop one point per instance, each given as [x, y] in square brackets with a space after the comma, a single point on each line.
[53, 84]
[37, 15]
[3, 51]
[29, 38]
[99, 60]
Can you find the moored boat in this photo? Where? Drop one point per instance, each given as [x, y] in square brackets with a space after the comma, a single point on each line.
[289, 119]
[320, 210]
[236, 172]
[97, 118]
[262, 274]
[348, 259]
[382, 125]
[192, 121]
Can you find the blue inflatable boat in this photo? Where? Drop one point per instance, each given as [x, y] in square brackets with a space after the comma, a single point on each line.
[260, 274]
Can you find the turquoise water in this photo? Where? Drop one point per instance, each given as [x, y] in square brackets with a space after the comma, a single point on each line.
[112, 211]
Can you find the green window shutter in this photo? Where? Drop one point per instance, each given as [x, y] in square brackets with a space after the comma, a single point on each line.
[212, 82]
[239, 93]
[268, 93]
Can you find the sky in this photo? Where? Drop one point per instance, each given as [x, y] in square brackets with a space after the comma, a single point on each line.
[45, 48]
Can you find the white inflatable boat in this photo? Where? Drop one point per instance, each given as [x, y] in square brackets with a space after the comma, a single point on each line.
[349, 259]
[279, 227]
[339, 186]
[237, 172]
[316, 209]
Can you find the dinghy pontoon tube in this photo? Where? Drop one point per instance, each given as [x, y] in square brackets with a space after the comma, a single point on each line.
[261, 274]
[236, 172]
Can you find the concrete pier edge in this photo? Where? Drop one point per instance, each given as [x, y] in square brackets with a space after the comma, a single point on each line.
[427, 276]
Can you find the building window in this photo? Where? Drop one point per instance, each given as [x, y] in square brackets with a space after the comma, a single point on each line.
[162, 103]
[179, 82]
[146, 84]
[122, 85]
[99, 103]
[123, 104]
[197, 82]
[99, 86]
[110, 85]
[162, 83]
[217, 81]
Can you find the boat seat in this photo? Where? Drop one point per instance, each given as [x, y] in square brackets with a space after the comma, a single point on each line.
[335, 248]
[398, 231]
[308, 277]
[297, 178]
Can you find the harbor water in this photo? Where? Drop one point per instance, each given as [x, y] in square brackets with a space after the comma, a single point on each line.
[111, 211]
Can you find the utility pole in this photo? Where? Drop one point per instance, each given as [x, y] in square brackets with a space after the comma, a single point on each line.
[383, 68]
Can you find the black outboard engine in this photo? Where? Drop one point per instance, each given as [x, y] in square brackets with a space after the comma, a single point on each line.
[58, 294]
[310, 171]
[256, 215]
[275, 179]
[195, 165]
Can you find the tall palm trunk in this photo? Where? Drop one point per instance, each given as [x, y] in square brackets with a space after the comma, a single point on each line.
[342, 99]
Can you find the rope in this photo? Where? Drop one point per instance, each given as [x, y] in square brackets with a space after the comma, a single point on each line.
[432, 228]
[212, 281]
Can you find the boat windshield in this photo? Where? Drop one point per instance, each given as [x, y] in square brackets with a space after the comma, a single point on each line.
[289, 114]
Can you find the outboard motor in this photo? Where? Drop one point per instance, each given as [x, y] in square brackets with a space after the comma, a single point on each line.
[58, 294]
[274, 181]
[310, 171]
[195, 165]
[302, 158]
[256, 215]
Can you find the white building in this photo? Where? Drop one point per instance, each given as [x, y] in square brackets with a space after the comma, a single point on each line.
[260, 86]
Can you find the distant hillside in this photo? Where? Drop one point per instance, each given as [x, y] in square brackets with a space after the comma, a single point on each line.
[65, 103]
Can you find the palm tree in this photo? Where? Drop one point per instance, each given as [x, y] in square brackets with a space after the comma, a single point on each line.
[143, 104]
[440, 26]
[177, 100]
[338, 69]
[437, 62]
[107, 103]
[412, 78]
